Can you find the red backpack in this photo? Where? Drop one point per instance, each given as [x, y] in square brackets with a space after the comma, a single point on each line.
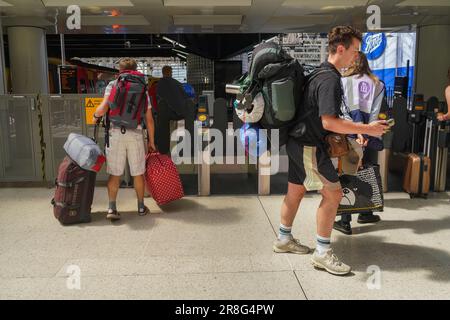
[128, 99]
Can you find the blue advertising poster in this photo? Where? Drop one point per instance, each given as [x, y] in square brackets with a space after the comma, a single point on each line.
[388, 55]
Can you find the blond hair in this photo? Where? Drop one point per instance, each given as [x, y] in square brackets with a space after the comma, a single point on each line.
[127, 64]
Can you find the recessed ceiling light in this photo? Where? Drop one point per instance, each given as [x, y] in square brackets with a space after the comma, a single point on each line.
[210, 3]
[195, 20]
[88, 3]
[420, 3]
[131, 20]
[336, 7]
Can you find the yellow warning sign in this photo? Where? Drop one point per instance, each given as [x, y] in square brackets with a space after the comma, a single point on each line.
[90, 105]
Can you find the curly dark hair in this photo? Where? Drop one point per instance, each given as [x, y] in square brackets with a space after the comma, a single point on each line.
[342, 35]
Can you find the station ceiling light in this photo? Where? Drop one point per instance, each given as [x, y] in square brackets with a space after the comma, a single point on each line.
[421, 3]
[209, 3]
[198, 20]
[99, 20]
[174, 42]
[323, 3]
[88, 3]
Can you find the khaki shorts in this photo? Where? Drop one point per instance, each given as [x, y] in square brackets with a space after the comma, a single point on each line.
[129, 145]
[311, 167]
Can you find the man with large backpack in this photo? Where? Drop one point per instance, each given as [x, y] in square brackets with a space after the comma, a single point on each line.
[310, 166]
[127, 106]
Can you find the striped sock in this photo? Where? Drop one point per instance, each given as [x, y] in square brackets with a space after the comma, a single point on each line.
[141, 206]
[112, 205]
[285, 233]
[323, 244]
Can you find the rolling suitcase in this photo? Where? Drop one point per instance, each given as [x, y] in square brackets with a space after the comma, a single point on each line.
[74, 192]
[162, 179]
[417, 178]
[417, 175]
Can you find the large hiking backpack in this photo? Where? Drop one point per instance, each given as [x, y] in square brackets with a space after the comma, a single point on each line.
[128, 99]
[272, 90]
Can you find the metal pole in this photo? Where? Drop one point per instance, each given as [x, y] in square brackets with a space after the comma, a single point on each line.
[63, 50]
[3, 88]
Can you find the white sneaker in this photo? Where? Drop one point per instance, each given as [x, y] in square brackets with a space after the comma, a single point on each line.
[291, 246]
[330, 262]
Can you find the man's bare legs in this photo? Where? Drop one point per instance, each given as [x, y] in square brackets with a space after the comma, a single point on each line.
[326, 213]
[113, 189]
[139, 187]
[323, 257]
[291, 203]
[289, 208]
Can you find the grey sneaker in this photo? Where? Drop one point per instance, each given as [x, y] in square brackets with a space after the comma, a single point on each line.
[113, 215]
[291, 246]
[330, 262]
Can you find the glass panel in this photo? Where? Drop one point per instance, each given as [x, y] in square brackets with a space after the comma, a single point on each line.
[238, 175]
[65, 118]
[278, 181]
[17, 139]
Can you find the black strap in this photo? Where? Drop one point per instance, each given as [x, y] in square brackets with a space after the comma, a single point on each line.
[107, 125]
[69, 184]
[131, 102]
[312, 76]
[65, 205]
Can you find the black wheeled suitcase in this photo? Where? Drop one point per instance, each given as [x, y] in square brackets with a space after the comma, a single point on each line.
[74, 192]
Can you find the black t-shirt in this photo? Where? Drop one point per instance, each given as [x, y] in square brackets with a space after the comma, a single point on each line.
[323, 95]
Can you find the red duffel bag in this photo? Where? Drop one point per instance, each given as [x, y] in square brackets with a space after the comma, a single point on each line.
[162, 179]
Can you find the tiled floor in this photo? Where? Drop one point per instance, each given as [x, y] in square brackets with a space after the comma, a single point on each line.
[217, 248]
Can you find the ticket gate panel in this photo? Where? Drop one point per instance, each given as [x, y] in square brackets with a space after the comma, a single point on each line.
[17, 139]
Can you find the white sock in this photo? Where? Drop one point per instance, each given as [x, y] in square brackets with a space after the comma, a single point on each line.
[323, 245]
[285, 233]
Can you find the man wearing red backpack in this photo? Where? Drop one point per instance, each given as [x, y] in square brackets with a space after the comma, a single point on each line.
[127, 106]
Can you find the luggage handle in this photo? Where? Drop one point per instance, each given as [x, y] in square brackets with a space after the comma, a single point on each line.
[68, 184]
[97, 124]
[65, 205]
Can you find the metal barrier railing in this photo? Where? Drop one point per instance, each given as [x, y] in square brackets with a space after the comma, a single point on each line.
[34, 128]
[21, 158]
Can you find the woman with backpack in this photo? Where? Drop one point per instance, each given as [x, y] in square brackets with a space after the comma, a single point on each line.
[364, 94]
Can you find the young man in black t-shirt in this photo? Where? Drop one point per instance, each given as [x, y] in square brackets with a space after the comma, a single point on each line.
[310, 167]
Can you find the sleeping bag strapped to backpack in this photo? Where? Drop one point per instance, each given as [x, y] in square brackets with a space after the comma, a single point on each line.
[128, 100]
[272, 90]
